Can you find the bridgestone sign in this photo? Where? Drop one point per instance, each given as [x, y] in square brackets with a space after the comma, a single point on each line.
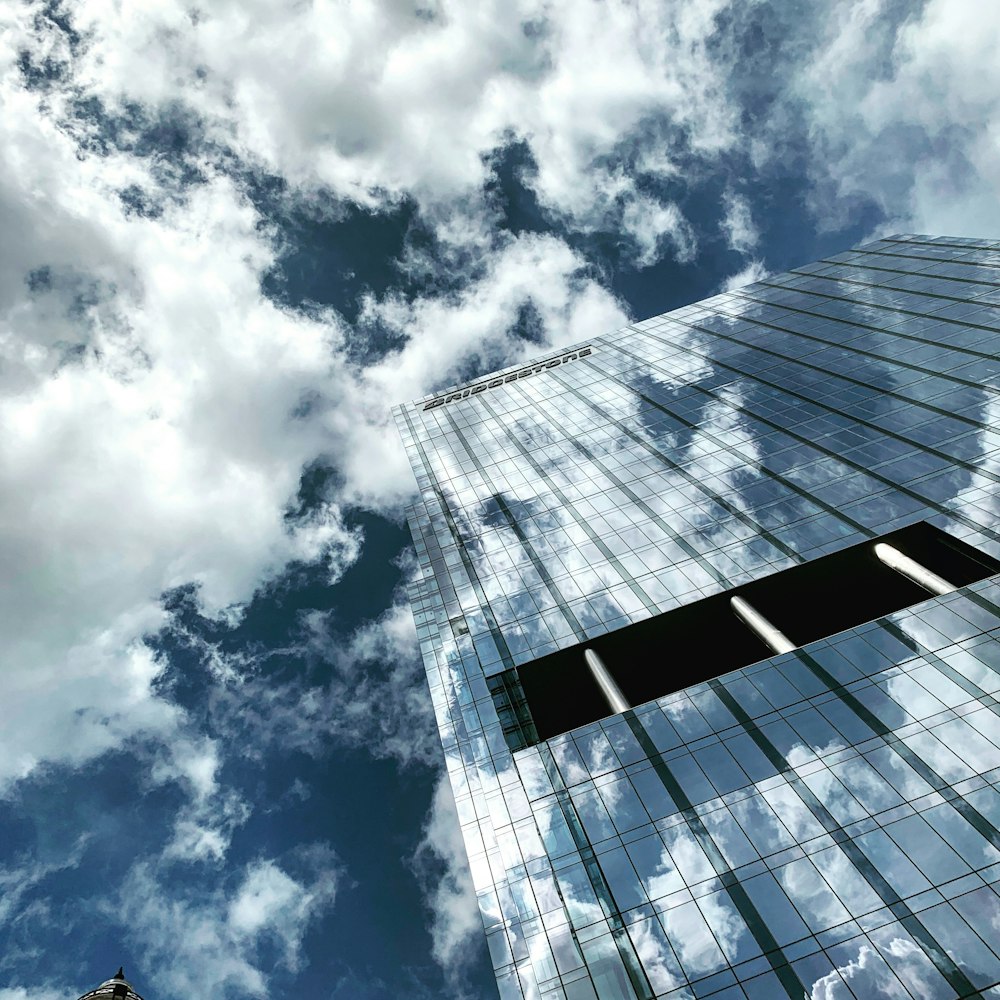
[495, 383]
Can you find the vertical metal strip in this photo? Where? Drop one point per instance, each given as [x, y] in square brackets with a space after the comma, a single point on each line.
[633, 966]
[668, 463]
[965, 809]
[932, 948]
[678, 539]
[629, 581]
[491, 622]
[757, 925]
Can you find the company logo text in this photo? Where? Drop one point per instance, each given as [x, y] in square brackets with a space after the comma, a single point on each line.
[495, 383]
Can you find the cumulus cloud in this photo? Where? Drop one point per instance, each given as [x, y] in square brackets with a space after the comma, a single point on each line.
[150, 395]
[900, 107]
[129, 473]
[154, 401]
[375, 102]
[653, 225]
[162, 409]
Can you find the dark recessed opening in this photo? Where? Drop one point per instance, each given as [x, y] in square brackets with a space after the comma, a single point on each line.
[705, 639]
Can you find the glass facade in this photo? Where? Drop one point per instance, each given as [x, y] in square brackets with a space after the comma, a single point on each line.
[824, 823]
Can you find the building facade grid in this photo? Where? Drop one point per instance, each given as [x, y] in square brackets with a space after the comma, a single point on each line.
[824, 823]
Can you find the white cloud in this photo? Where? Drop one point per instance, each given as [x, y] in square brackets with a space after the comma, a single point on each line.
[391, 637]
[654, 225]
[205, 823]
[754, 271]
[269, 897]
[376, 101]
[456, 925]
[121, 485]
[154, 396]
[222, 940]
[868, 968]
[905, 111]
[373, 695]
[150, 441]
[19, 879]
[151, 387]
[37, 993]
[738, 224]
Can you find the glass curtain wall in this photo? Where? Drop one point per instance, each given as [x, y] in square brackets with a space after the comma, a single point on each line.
[822, 823]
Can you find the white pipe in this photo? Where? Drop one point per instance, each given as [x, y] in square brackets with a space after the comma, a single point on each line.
[772, 637]
[611, 691]
[912, 570]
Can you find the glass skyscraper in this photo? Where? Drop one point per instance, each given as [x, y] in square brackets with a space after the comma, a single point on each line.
[710, 732]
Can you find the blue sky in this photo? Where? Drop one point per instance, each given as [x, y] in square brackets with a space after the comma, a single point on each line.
[234, 235]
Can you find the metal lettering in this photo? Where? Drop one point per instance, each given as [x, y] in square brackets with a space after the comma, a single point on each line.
[512, 377]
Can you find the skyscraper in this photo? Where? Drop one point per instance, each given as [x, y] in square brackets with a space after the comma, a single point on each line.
[709, 620]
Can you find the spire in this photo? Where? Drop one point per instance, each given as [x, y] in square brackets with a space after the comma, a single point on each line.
[120, 974]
